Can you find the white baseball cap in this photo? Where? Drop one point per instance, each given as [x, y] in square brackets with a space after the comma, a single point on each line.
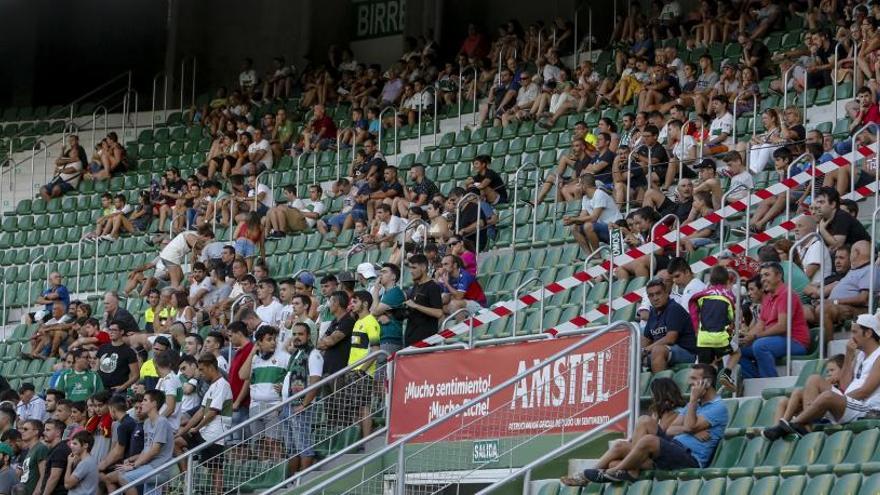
[367, 270]
[869, 321]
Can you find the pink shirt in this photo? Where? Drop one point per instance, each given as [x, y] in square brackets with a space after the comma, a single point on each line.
[776, 303]
[470, 262]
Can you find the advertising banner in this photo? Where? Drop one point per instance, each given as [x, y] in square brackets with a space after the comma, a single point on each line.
[574, 393]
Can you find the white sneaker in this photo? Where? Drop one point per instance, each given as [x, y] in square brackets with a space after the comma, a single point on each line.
[107, 237]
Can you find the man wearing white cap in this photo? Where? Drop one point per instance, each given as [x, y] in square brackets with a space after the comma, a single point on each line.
[366, 275]
[860, 380]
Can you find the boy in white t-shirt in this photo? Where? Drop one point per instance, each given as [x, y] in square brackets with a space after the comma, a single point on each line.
[721, 137]
[169, 384]
[598, 212]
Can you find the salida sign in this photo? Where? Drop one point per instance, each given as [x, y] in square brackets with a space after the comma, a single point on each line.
[582, 389]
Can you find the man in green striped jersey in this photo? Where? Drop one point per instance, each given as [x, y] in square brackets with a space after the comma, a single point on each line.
[80, 383]
[169, 384]
[266, 368]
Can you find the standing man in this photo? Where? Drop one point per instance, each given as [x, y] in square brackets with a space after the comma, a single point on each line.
[33, 469]
[364, 341]
[336, 342]
[239, 337]
[118, 364]
[388, 300]
[80, 382]
[425, 301]
[305, 369]
[265, 368]
[56, 464]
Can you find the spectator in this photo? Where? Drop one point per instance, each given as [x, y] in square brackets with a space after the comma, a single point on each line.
[239, 338]
[849, 296]
[247, 78]
[158, 448]
[34, 469]
[56, 291]
[837, 227]
[461, 290]
[169, 384]
[173, 255]
[56, 463]
[79, 383]
[766, 341]
[118, 368]
[721, 138]
[577, 160]
[46, 341]
[813, 255]
[336, 341]
[598, 212]
[30, 405]
[320, 133]
[680, 205]
[81, 476]
[264, 369]
[859, 380]
[419, 192]
[424, 301]
[668, 337]
[52, 398]
[305, 369]
[388, 302]
[689, 442]
[210, 423]
[8, 474]
[122, 446]
[298, 214]
[364, 340]
[487, 181]
[69, 168]
[791, 406]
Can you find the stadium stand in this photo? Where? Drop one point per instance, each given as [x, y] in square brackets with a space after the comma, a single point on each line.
[243, 258]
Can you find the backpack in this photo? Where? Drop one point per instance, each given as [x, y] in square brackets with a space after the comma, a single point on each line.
[716, 315]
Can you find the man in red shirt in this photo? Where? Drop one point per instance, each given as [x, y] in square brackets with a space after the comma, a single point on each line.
[766, 342]
[90, 336]
[321, 131]
[239, 337]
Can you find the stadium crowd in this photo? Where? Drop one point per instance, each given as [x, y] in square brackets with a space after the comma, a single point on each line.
[221, 341]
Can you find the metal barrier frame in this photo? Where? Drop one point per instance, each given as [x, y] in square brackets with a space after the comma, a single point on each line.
[479, 222]
[791, 295]
[399, 445]
[598, 250]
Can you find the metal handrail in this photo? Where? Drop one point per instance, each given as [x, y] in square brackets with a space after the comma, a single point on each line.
[348, 256]
[381, 127]
[164, 76]
[516, 291]
[610, 278]
[271, 187]
[815, 236]
[577, 50]
[182, 79]
[95, 122]
[433, 91]
[460, 84]
[812, 160]
[871, 287]
[79, 263]
[834, 75]
[852, 167]
[317, 386]
[721, 224]
[737, 294]
[400, 444]
[534, 201]
[299, 170]
[41, 145]
[339, 154]
[662, 221]
[31, 270]
[470, 323]
[5, 315]
[412, 225]
[785, 90]
[479, 224]
[629, 159]
[126, 113]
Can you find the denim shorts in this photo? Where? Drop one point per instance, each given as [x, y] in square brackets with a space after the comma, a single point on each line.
[298, 432]
[680, 355]
[601, 230]
[245, 248]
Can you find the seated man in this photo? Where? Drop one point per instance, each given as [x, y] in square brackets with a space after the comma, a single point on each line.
[849, 297]
[680, 206]
[576, 159]
[669, 336]
[460, 288]
[688, 443]
[48, 338]
[56, 291]
[598, 212]
[297, 214]
[860, 380]
[766, 341]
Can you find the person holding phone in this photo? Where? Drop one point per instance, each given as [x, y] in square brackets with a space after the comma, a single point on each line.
[688, 442]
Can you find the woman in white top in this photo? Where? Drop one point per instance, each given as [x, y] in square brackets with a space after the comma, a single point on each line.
[762, 146]
[173, 255]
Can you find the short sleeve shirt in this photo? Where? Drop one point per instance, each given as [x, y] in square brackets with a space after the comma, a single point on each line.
[715, 413]
[86, 471]
[392, 332]
[777, 303]
[601, 199]
[425, 187]
[495, 182]
[672, 317]
[844, 224]
[722, 125]
[113, 364]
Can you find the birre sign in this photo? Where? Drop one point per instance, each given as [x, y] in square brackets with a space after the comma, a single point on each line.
[378, 18]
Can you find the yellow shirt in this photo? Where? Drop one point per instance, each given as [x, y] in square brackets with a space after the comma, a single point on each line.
[365, 334]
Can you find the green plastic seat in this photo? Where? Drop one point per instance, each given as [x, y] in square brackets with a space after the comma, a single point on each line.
[792, 486]
[779, 453]
[833, 452]
[765, 486]
[740, 486]
[745, 416]
[812, 367]
[752, 454]
[805, 453]
[870, 485]
[848, 484]
[860, 451]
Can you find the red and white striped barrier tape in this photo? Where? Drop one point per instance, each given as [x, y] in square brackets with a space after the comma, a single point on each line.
[667, 238]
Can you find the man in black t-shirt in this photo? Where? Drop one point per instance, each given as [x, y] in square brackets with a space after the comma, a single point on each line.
[118, 364]
[836, 226]
[425, 303]
[336, 342]
[56, 463]
[116, 313]
[755, 55]
[654, 152]
[487, 181]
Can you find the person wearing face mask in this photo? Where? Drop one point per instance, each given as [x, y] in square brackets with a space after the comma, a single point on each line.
[304, 369]
[264, 369]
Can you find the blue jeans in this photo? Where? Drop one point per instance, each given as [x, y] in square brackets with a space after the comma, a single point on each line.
[759, 358]
[239, 416]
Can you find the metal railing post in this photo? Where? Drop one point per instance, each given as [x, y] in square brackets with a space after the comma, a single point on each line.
[452, 316]
[421, 106]
[164, 76]
[587, 260]
[871, 287]
[629, 159]
[834, 75]
[95, 122]
[40, 144]
[852, 166]
[516, 199]
[721, 224]
[791, 295]
[479, 222]
[30, 271]
[662, 221]
[812, 161]
[785, 85]
[348, 256]
[520, 287]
